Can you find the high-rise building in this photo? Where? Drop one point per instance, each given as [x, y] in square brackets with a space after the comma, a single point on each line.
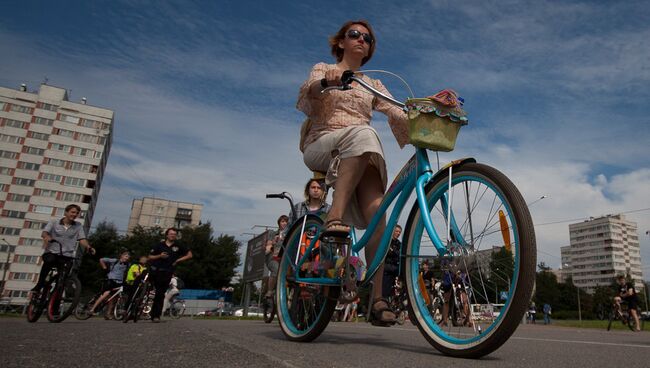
[602, 248]
[163, 213]
[53, 153]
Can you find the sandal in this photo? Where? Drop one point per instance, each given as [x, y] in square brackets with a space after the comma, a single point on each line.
[336, 227]
[382, 315]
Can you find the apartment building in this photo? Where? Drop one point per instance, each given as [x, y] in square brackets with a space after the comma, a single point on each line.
[53, 152]
[163, 213]
[600, 249]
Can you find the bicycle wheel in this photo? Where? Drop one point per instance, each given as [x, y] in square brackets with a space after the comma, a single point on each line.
[37, 304]
[177, 309]
[491, 247]
[303, 310]
[82, 312]
[64, 300]
[268, 310]
[120, 307]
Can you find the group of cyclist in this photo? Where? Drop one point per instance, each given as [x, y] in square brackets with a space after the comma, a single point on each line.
[60, 238]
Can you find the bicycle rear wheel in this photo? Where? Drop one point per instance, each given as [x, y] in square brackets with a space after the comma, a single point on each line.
[120, 307]
[491, 247]
[303, 310]
[177, 309]
[82, 312]
[64, 300]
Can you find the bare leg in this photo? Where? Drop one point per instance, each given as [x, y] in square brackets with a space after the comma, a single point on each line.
[99, 300]
[350, 171]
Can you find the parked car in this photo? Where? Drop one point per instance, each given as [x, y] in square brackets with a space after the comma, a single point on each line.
[252, 312]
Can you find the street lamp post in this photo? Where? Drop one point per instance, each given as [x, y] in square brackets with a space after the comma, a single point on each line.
[537, 200]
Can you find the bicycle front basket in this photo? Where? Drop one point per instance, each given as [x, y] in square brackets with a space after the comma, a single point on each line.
[432, 125]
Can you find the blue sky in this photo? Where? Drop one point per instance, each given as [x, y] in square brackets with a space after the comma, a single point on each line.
[204, 95]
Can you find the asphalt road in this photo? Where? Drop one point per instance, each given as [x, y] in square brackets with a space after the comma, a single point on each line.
[230, 343]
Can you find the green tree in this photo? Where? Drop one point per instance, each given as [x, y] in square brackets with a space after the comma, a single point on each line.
[107, 243]
[546, 287]
[501, 269]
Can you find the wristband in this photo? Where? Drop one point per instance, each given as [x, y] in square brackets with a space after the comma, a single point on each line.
[323, 83]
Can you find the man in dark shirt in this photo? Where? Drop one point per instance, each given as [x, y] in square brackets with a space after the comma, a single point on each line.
[627, 293]
[163, 259]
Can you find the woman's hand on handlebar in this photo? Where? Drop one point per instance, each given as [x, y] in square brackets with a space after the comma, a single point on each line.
[333, 77]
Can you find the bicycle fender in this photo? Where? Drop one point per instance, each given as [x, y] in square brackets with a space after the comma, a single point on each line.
[454, 163]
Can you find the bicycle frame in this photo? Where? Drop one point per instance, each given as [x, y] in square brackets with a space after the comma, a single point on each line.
[415, 175]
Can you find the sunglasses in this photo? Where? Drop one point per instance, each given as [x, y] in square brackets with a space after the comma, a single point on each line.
[354, 35]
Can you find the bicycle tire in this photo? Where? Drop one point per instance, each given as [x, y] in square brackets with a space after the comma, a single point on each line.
[66, 297]
[120, 307]
[304, 311]
[36, 307]
[82, 312]
[177, 309]
[611, 318]
[473, 181]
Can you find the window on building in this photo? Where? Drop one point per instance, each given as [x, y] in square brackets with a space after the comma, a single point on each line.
[89, 138]
[18, 293]
[24, 181]
[74, 182]
[13, 214]
[6, 171]
[72, 197]
[45, 193]
[33, 150]
[33, 242]
[9, 231]
[43, 121]
[40, 136]
[69, 119]
[27, 259]
[9, 138]
[51, 177]
[28, 166]
[23, 109]
[55, 162]
[8, 154]
[78, 166]
[64, 133]
[7, 248]
[15, 123]
[36, 225]
[61, 147]
[157, 221]
[4, 187]
[46, 106]
[97, 154]
[22, 276]
[18, 197]
[81, 151]
[47, 210]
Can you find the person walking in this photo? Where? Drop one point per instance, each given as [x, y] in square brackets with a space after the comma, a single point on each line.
[547, 313]
[163, 259]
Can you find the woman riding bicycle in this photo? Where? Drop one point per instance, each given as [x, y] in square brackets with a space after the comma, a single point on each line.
[337, 138]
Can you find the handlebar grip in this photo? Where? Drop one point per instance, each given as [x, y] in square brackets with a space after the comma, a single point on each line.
[274, 196]
[346, 77]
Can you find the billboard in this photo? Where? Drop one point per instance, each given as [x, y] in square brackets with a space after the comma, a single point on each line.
[254, 264]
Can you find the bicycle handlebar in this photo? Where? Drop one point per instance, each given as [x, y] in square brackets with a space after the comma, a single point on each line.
[348, 77]
[281, 195]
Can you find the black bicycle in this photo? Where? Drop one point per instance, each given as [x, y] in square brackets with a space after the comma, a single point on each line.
[141, 301]
[623, 315]
[60, 292]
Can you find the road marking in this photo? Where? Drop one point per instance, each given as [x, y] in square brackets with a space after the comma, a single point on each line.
[516, 337]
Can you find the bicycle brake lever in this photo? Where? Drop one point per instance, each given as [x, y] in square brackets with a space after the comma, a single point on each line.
[340, 88]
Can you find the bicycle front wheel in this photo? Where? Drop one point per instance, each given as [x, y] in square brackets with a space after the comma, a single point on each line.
[64, 300]
[304, 310]
[120, 307]
[491, 251]
[177, 309]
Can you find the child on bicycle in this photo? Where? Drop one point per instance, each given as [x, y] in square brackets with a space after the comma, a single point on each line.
[133, 275]
[116, 268]
[271, 254]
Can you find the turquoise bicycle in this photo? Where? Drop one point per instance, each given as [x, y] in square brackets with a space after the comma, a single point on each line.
[467, 217]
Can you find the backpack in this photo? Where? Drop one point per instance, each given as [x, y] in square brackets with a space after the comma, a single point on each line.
[179, 283]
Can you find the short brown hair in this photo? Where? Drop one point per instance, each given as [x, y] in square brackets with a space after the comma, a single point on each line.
[320, 183]
[71, 206]
[334, 40]
[283, 217]
[171, 229]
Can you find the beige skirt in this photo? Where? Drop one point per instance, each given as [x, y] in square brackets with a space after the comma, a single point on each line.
[326, 152]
